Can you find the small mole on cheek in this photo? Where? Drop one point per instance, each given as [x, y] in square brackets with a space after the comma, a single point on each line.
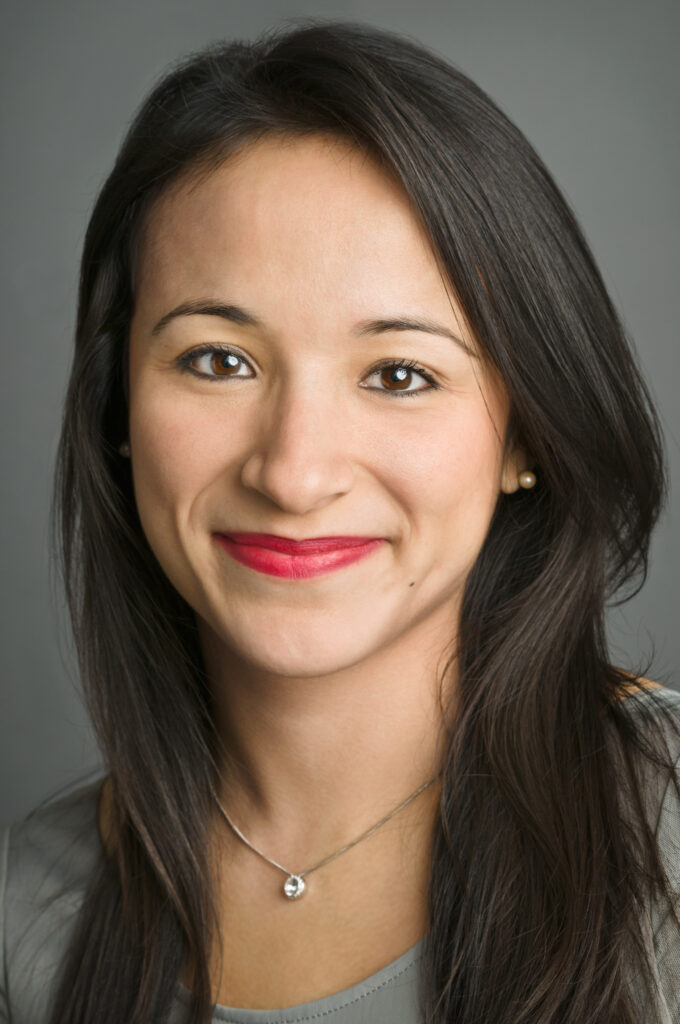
[411, 583]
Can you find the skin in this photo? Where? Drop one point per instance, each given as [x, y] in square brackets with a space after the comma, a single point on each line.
[326, 689]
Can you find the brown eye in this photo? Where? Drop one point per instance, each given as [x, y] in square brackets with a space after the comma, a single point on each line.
[396, 378]
[212, 363]
[223, 364]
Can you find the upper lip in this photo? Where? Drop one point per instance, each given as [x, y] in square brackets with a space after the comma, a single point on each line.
[305, 546]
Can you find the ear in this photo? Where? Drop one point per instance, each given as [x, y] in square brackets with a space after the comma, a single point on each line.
[514, 463]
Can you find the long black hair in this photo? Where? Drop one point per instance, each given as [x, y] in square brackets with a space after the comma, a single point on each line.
[537, 880]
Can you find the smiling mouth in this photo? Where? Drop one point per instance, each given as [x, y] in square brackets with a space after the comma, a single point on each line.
[291, 546]
[296, 560]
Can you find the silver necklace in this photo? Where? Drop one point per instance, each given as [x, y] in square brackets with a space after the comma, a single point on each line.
[295, 884]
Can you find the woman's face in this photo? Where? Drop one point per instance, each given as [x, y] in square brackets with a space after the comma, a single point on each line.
[269, 412]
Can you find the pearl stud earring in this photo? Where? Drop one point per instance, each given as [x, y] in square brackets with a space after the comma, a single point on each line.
[526, 479]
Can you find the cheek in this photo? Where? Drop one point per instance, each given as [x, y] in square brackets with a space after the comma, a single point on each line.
[178, 448]
[449, 477]
[453, 455]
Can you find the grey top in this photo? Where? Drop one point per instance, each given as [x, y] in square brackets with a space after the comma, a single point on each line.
[46, 860]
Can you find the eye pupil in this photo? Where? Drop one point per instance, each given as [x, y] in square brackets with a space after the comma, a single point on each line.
[398, 375]
[225, 361]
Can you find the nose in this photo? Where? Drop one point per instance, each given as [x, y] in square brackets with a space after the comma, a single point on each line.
[300, 458]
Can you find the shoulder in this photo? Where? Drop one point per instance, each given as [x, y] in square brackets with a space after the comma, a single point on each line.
[662, 706]
[54, 848]
[646, 692]
[638, 684]
[649, 704]
[47, 862]
[655, 713]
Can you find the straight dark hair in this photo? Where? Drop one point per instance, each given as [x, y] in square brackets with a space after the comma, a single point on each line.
[544, 857]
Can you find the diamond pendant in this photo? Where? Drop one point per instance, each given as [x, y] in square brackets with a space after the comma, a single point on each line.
[294, 886]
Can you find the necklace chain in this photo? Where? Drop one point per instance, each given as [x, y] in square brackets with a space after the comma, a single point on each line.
[295, 885]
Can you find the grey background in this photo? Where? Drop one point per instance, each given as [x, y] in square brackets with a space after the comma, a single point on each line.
[594, 85]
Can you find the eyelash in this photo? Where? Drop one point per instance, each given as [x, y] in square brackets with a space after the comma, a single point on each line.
[184, 363]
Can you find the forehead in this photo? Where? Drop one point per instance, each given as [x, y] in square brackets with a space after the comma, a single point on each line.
[280, 175]
[314, 207]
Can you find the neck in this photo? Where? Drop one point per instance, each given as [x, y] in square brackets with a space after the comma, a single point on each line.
[310, 763]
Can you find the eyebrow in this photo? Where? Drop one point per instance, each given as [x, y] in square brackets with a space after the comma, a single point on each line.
[244, 318]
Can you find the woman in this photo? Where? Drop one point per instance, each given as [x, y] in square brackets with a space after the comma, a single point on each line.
[354, 452]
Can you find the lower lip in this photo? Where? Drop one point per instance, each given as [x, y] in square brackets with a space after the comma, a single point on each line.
[295, 567]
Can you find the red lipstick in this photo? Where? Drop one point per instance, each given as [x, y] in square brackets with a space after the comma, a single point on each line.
[283, 557]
